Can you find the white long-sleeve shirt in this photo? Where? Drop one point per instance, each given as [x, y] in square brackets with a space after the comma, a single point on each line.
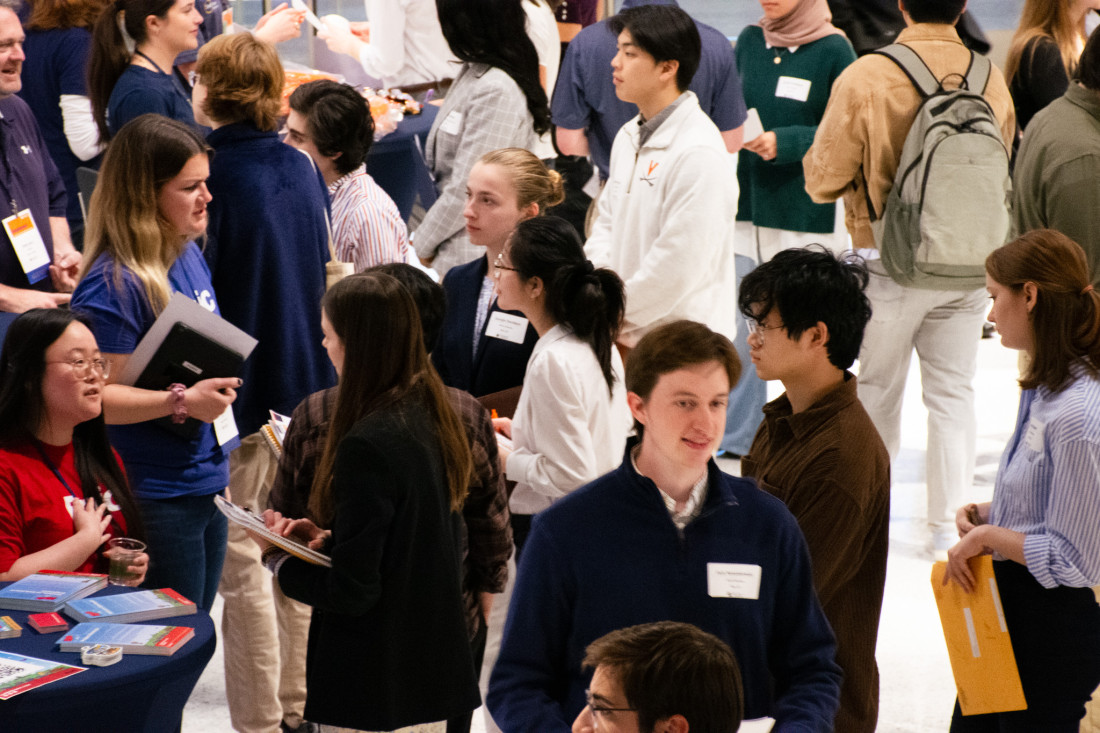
[406, 44]
[567, 429]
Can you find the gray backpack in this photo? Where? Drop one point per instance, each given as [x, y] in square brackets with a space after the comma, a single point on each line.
[949, 205]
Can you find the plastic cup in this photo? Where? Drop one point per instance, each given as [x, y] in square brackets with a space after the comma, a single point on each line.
[124, 552]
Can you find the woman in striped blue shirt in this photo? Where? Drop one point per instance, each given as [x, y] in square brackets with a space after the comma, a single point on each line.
[1043, 525]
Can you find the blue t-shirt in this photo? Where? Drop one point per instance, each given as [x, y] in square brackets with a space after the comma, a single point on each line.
[57, 61]
[28, 178]
[139, 91]
[584, 97]
[160, 463]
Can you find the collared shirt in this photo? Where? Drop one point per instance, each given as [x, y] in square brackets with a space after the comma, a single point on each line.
[1048, 485]
[871, 107]
[692, 505]
[28, 180]
[484, 304]
[487, 542]
[406, 43]
[367, 228]
[646, 128]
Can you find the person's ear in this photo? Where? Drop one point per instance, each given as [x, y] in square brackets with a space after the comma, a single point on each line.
[534, 287]
[673, 724]
[819, 334]
[667, 70]
[637, 407]
[1031, 295]
[530, 211]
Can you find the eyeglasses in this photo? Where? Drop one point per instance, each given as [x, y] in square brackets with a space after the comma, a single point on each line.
[600, 711]
[498, 265]
[757, 329]
[82, 368]
[193, 77]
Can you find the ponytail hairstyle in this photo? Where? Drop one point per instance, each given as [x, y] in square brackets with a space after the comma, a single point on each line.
[494, 32]
[532, 181]
[23, 408]
[385, 363]
[112, 51]
[589, 301]
[1065, 320]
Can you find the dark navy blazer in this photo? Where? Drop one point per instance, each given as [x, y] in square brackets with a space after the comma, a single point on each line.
[500, 364]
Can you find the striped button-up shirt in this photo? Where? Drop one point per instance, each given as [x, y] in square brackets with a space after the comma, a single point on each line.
[1048, 485]
[367, 228]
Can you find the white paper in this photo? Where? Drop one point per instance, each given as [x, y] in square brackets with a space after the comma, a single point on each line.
[756, 725]
[1033, 439]
[182, 309]
[753, 127]
[733, 580]
[794, 88]
[311, 17]
[506, 326]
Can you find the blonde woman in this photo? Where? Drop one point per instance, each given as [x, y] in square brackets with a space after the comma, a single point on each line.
[1044, 53]
[148, 207]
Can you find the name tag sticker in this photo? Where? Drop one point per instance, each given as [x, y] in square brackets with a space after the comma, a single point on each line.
[733, 580]
[452, 125]
[506, 326]
[29, 247]
[793, 88]
[225, 431]
[1034, 437]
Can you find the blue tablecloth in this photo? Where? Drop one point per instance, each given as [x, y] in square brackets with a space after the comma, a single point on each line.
[396, 162]
[139, 693]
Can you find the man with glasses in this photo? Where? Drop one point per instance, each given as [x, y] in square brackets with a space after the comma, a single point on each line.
[818, 451]
[664, 677]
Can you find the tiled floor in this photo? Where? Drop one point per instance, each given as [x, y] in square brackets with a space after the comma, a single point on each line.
[917, 692]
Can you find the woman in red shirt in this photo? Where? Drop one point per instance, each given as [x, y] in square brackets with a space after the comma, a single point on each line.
[63, 493]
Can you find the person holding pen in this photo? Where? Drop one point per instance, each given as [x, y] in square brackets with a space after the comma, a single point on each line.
[1041, 526]
[148, 208]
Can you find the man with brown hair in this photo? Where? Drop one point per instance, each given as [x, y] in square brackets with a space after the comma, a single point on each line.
[668, 536]
[664, 677]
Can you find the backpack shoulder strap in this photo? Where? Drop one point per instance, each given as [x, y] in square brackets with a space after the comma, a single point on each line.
[913, 66]
[977, 76]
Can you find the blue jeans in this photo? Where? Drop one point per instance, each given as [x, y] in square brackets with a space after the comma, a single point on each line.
[747, 398]
[186, 538]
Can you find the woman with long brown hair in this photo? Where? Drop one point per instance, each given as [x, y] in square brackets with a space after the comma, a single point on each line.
[389, 485]
[1041, 526]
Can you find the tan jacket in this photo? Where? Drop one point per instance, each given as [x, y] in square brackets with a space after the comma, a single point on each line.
[871, 107]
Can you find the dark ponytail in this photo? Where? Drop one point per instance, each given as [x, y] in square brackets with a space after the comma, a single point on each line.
[110, 55]
[588, 300]
[494, 32]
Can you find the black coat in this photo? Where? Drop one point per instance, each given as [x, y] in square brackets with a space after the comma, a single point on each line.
[387, 642]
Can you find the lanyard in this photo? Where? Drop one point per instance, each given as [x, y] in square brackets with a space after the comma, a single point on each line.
[154, 63]
[6, 179]
[50, 464]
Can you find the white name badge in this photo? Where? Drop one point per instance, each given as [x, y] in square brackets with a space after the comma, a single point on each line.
[793, 88]
[506, 326]
[225, 429]
[452, 125]
[1034, 437]
[29, 247]
[733, 580]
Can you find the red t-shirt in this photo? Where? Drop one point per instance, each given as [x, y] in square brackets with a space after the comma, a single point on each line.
[35, 511]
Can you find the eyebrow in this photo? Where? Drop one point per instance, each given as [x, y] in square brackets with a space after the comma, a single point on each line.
[597, 697]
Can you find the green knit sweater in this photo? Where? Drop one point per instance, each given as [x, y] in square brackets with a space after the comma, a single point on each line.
[773, 193]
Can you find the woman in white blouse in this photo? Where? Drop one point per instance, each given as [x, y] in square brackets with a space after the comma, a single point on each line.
[572, 420]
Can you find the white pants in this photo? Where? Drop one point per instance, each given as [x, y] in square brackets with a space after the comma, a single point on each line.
[944, 327]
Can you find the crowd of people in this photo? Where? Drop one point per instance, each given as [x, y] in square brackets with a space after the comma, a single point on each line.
[490, 380]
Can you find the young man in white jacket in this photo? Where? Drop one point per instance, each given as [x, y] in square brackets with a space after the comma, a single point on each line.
[665, 221]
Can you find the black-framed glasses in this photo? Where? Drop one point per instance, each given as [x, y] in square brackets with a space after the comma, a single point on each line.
[498, 265]
[599, 709]
[82, 368]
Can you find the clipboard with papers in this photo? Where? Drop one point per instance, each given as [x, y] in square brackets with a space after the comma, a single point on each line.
[245, 518]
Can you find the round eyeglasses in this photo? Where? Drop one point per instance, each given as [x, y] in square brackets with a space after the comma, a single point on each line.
[83, 368]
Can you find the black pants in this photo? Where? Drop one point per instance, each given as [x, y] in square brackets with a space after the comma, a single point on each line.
[521, 527]
[1056, 640]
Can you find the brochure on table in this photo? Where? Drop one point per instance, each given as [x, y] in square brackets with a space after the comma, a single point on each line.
[49, 590]
[126, 607]
[19, 673]
[133, 638]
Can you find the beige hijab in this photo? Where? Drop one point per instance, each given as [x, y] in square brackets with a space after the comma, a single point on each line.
[809, 21]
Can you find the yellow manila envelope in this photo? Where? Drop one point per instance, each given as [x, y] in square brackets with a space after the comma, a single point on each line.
[978, 644]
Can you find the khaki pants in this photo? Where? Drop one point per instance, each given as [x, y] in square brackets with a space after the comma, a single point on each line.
[263, 632]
